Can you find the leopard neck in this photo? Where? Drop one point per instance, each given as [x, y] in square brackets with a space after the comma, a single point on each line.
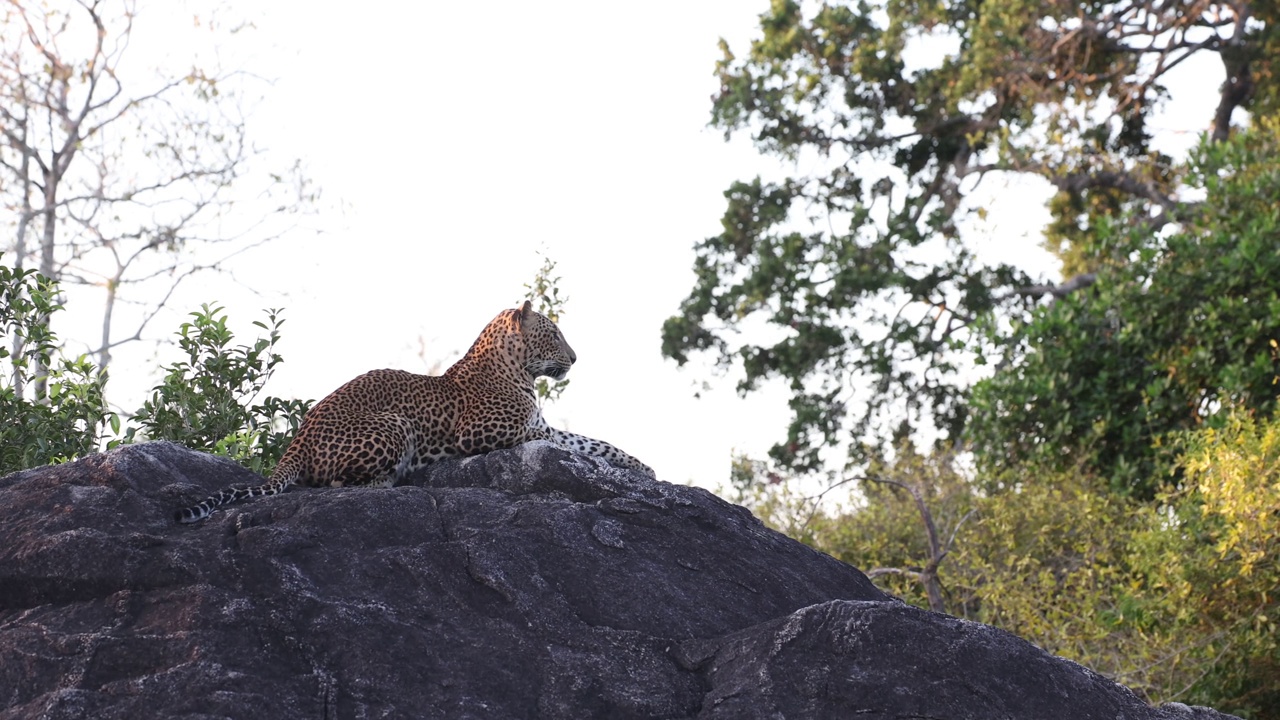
[496, 353]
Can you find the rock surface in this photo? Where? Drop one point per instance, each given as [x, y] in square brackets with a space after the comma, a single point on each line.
[529, 583]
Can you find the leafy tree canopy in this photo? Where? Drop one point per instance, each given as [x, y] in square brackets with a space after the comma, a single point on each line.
[1177, 327]
[860, 268]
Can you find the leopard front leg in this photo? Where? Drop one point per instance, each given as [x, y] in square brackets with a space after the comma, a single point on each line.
[598, 448]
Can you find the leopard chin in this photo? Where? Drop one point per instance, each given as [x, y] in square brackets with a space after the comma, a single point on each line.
[549, 368]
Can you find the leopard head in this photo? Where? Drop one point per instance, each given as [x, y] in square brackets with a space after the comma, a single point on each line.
[546, 352]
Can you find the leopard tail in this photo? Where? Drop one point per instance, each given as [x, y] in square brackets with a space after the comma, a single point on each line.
[285, 474]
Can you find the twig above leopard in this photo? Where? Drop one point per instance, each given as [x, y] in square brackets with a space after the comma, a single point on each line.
[384, 424]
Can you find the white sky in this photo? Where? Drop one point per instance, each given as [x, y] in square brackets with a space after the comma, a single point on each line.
[452, 141]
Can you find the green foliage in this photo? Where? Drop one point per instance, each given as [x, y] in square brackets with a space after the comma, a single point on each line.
[205, 400]
[47, 418]
[1047, 560]
[1123, 510]
[1214, 556]
[544, 292]
[1175, 598]
[874, 304]
[1172, 331]
[883, 532]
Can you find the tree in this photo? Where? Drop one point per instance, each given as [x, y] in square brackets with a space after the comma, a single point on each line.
[862, 270]
[112, 175]
[1176, 329]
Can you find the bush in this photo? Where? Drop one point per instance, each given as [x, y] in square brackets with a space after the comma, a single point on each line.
[1213, 549]
[205, 401]
[544, 293]
[1175, 597]
[53, 407]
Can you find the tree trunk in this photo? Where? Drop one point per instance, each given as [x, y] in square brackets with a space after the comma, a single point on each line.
[20, 252]
[933, 588]
[47, 238]
[104, 351]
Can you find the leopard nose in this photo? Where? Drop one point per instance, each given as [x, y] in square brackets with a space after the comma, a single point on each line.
[573, 356]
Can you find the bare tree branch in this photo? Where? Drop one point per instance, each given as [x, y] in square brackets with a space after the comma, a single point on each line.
[928, 577]
[955, 530]
[1080, 181]
[1059, 291]
[881, 571]
[114, 175]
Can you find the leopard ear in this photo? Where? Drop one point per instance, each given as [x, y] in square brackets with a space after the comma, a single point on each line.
[525, 314]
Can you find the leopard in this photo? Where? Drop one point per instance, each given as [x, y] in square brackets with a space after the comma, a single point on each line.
[383, 425]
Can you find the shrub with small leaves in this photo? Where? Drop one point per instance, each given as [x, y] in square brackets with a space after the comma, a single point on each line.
[1213, 549]
[544, 293]
[206, 401]
[52, 407]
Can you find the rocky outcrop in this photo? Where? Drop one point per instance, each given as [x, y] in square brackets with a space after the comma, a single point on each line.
[529, 583]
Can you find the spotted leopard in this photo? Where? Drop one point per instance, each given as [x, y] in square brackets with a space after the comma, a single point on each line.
[386, 423]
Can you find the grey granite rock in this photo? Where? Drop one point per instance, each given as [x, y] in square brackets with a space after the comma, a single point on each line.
[529, 583]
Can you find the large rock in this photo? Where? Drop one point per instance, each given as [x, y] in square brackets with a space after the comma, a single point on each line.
[520, 584]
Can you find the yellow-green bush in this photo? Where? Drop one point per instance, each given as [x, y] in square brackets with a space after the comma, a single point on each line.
[1176, 597]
